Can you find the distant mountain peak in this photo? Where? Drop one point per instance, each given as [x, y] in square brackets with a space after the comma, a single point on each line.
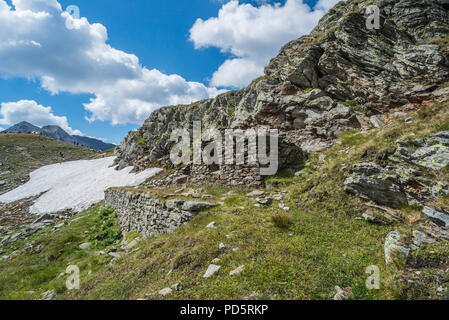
[56, 132]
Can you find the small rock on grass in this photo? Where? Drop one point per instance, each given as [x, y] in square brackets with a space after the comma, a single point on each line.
[166, 292]
[211, 270]
[177, 287]
[211, 225]
[236, 271]
[85, 245]
[255, 193]
[264, 201]
[342, 294]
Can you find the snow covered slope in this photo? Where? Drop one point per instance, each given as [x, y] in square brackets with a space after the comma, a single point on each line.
[74, 185]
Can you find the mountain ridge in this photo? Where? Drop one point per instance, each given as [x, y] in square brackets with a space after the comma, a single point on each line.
[56, 132]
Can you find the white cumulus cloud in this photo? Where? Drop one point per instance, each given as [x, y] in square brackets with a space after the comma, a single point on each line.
[35, 43]
[253, 35]
[30, 111]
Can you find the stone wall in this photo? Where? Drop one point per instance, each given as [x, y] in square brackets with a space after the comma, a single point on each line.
[141, 212]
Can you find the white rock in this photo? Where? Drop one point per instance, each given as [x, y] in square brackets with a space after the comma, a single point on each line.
[132, 244]
[211, 225]
[116, 255]
[85, 245]
[255, 193]
[236, 271]
[211, 270]
[166, 291]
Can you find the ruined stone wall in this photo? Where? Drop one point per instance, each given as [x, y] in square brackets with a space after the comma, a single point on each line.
[149, 216]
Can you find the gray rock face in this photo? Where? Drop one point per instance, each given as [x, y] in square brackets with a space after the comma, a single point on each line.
[432, 153]
[440, 217]
[344, 58]
[195, 206]
[341, 60]
[382, 215]
[372, 182]
[150, 216]
[393, 186]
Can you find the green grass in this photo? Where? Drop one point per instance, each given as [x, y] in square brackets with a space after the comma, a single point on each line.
[30, 274]
[321, 245]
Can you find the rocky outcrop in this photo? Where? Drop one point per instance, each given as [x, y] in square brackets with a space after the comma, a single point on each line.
[148, 215]
[375, 183]
[395, 185]
[310, 89]
[432, 153]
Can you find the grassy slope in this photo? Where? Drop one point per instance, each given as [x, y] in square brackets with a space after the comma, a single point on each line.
[323, 246]
[22, 153]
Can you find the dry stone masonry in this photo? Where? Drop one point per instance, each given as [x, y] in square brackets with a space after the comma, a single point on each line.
[148, 215]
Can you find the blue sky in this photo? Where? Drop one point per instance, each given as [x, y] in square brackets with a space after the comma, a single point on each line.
[103, 76]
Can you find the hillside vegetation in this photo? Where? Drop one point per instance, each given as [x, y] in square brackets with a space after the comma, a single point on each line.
[320, 243]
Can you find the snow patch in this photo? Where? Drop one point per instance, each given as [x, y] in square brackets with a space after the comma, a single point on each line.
[74, 185]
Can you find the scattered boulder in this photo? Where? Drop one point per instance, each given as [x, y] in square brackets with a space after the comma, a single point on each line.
[197, 206]
[177, 287]
[432, 153]
[211, 270]
[237, 271]
[265, 201]
[437, 216]
[382, 215]
[373, 182]
[85, 245]
[44, 217]
[255, 193]
[132, 244]
[211, 225]
[166, 291]
[284, 207]
[420, 239]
